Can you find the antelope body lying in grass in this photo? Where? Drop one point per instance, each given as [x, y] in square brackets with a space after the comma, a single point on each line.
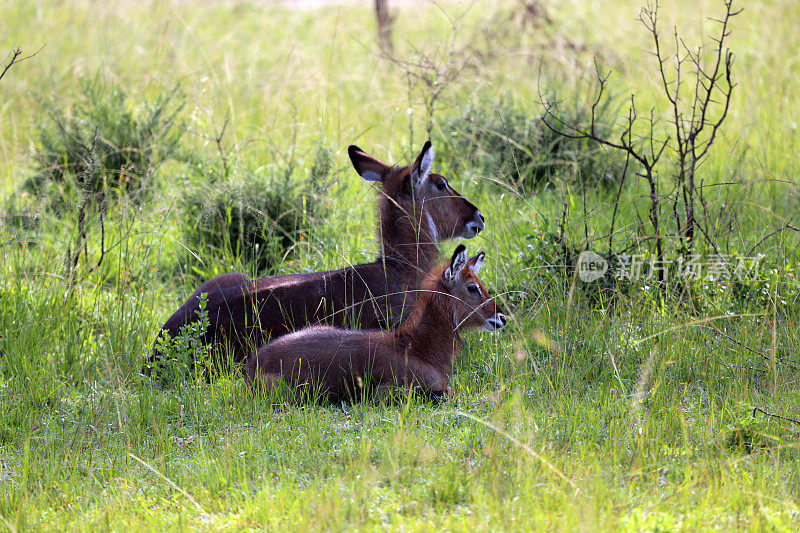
[417, 209]
[344, 364]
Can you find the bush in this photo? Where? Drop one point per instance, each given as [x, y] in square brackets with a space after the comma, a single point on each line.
[104, 144]
[505, 142]
[185, 354]
[253, 216]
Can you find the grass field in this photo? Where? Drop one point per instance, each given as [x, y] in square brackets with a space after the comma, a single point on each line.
[641, 406]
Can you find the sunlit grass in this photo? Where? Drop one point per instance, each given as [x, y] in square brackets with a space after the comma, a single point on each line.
[638, 402]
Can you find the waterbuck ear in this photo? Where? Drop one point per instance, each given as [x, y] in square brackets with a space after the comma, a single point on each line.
[475, 263]
[368, 167]
[456, 264]
[422, 166]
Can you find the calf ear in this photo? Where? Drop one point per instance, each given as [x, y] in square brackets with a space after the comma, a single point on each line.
[475, 263]
[368, 167]
[456, 264]
[422, 166]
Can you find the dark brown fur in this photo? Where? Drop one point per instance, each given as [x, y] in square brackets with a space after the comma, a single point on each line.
[245, 313]
[342, 364]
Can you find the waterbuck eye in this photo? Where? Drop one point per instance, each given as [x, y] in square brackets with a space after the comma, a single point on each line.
[473, 289]
[440, 186]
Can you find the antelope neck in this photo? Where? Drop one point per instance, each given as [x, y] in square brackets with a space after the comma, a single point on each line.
[430, 334]
[410, 241]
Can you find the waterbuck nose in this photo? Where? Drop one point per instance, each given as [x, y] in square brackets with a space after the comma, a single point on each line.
[498, 321]
[475, 225]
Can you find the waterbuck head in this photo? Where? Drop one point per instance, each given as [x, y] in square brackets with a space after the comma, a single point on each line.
[470, 302]
[414, 194]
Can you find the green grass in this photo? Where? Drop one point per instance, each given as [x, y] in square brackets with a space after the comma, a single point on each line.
[630, 409]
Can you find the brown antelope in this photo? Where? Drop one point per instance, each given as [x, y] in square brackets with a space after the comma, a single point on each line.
[343, 364]
[417, 209]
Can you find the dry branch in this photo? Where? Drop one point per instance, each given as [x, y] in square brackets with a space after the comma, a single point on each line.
[696, 125]
[15, 59]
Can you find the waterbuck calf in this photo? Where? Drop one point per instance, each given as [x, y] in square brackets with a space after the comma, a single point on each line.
[416, 209]
[345, 364]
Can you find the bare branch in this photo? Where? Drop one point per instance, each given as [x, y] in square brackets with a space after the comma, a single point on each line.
[772, 415]
[695, 130]
[16, 59]
[770, 234]
[431, 74]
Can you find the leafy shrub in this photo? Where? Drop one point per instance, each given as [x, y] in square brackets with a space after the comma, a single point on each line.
[506, 142]
[103, 143]
[257, 217]
[185, 354]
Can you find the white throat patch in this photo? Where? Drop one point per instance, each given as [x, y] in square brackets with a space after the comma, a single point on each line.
[432, 228]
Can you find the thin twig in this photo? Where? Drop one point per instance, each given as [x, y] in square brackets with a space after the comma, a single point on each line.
[770, 234]
[772, 415]
[16, 59]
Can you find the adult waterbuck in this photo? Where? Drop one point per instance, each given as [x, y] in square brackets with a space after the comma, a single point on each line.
[416, 210]
[339, 364]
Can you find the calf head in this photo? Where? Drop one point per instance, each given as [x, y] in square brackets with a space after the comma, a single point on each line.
[473, 307]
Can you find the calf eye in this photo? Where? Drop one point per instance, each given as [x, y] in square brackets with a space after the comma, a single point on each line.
[440, 186]
[472, 288]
